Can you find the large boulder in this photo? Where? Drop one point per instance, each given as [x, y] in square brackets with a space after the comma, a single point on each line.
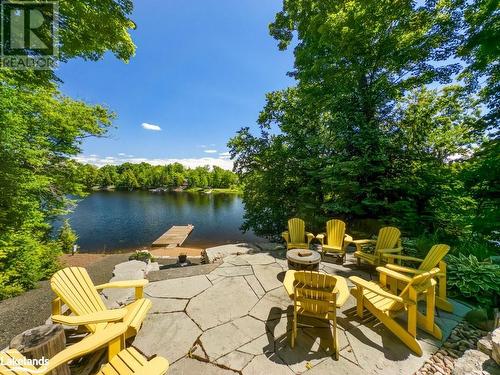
[472, 362]
[495, 345]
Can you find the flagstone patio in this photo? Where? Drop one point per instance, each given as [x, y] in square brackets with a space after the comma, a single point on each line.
[237, 318]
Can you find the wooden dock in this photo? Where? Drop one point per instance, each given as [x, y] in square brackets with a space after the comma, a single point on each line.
[174, 237]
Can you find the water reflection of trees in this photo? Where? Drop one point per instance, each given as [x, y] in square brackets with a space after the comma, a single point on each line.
[200, 200]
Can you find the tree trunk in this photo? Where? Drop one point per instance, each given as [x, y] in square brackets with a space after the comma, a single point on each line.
[42, 342]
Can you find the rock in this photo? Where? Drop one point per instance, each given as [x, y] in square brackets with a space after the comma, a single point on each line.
[471, 361]
[217, 253]
[485, 345]
[495, 345]
[152, 267]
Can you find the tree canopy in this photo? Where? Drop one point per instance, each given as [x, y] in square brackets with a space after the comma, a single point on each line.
[41, 130]
[377, 126]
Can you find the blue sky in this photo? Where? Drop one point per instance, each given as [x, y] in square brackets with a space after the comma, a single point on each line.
[201, 72]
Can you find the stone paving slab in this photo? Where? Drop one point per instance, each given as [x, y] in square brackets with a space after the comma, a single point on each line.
[226, 338]
[268, 276]
[178, 288]
[233, 271]
[167, 305]
[235, 360]
[188, 366]
[227, 300]
[264, 364]
[168, 335]
[237, 319]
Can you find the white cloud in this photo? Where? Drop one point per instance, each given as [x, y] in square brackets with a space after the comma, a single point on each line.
[187, 162]
[122, 154]
[211, 151]
[152, 127]
[224, 155]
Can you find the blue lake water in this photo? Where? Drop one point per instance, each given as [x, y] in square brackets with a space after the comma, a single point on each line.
[110, 221]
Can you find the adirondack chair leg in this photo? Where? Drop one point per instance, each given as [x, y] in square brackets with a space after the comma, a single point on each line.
[412, 313]
[408, 339]
[360, 300]
[426, 322]
[139, 293]
[294, 327]
[57, 306]
[335, 338]
[441, 300]
[115, 347]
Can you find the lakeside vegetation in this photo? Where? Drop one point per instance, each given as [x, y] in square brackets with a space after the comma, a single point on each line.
[145, 176]
[394, 117]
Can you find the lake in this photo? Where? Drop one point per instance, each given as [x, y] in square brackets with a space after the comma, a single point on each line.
[111, 221]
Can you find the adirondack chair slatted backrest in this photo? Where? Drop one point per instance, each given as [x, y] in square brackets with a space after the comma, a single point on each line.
[388, 238]
[419, 282]
[297, 230]
[75, 288]
[434, 256]
[335, 232]
[316, 292]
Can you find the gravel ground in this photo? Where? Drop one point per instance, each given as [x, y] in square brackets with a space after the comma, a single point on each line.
[33, 308]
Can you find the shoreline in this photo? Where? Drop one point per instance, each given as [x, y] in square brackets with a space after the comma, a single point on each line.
[190, 244]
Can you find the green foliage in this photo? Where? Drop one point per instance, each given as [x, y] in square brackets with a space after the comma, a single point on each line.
[145, 176]
[477, 246]
[23, 261]
[41, 129]
[474, 280]
[143, 256]
[67, 237]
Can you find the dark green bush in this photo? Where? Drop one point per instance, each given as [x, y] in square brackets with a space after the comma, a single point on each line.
[67, 237]
[143, 256]
[24, 261]
[476, 281]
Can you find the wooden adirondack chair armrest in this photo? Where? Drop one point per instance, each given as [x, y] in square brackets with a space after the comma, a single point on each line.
[309, 236]
[94, 318]
[372, 287]
[321, 238]
[124, 284]
[396, 250]
[89, 344]
[348, 238]
[157, 366]
[393, 274]
[395, 267]
[364, 242]
[402, 257]
[286, 236]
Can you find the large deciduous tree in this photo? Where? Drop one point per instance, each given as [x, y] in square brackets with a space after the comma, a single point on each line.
[359, 135]
[40, 130]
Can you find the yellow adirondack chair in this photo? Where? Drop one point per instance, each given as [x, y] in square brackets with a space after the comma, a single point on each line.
[388, 241]
[296, 236]
[316, 295]
[120, 361]
[384, 304]
[433, 259]
[336, 239]
[74, 288]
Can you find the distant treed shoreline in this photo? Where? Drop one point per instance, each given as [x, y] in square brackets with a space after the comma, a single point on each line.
[145, 176]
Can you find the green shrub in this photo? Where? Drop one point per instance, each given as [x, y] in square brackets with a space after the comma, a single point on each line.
[67, 237]
[24, 261]
[477, 247]
[420, 246]
[474, 280]
[143, 256]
